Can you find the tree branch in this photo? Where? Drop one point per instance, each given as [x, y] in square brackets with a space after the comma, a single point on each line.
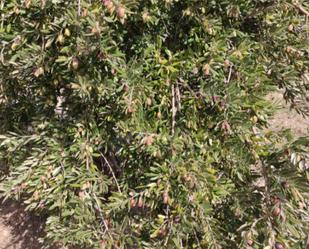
[79, 8]
[102, 217]
[230, 75]
[301, 8]
[113, 174]
[174, 109]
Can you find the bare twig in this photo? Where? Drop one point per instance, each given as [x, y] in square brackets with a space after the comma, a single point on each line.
[2, 56]
[113, 174]
[79, 8]
[267, 187]
[87, 158]
[307, 21]
[87, 163]
[267, 196]
[211, 233]
[197, 240]
[174, 109]
[178, 97]
[301, 8]
[230, 75]
[101, 216]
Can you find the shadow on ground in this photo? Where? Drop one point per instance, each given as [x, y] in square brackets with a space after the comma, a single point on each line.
[19, 229]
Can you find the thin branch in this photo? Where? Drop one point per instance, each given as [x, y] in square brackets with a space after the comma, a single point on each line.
[301, 8]
[307, 21]
[174, 110]
[230, 75]
[178, 97]
[267, 184]
[87, 158]
[113, 174]
[267, 196]
[101, 216]
[197, 240]
[211, 232]
[87, 163]
[2, 55]
[131, 96]
[79, 8]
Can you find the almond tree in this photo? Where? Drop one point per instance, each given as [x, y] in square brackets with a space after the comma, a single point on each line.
[141, 123]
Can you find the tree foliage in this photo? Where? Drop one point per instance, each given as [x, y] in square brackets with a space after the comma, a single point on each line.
[140, 123]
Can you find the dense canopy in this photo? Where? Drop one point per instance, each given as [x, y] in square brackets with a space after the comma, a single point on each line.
[141, 123]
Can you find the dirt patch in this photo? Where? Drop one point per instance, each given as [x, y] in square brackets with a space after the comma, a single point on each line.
[19, 229]
[286, 118]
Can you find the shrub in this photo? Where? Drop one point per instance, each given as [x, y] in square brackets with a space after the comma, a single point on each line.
[139, 123]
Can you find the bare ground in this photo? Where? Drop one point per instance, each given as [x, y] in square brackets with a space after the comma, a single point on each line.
[286, 118]
[19, 229]
[22, 230]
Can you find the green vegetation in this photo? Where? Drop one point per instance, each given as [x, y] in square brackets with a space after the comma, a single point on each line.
[139, 123]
